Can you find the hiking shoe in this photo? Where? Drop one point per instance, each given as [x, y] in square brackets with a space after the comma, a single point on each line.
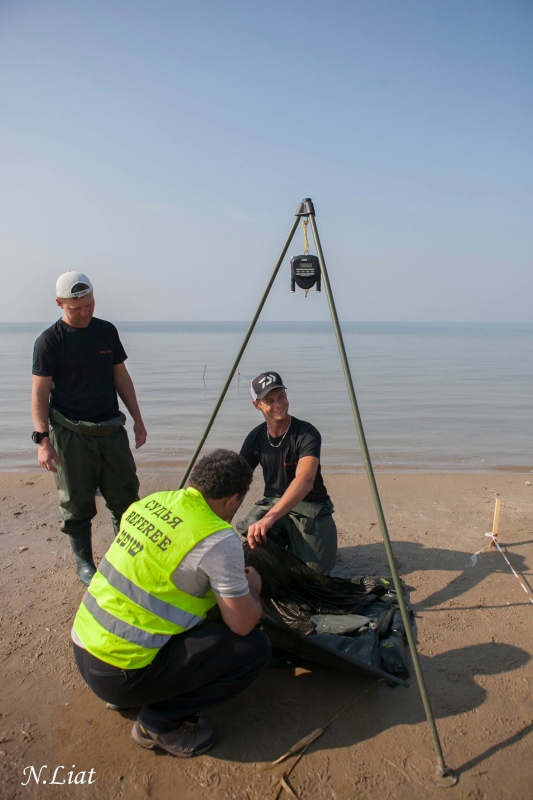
[188, 740]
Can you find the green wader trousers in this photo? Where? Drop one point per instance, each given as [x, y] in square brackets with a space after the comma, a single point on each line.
[89, 463]
[308, 531]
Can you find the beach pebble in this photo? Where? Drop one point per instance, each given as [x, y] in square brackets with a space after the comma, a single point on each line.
[21, 549]
[528, 483]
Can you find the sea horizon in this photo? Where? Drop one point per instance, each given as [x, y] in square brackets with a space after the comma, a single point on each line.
[433, 397]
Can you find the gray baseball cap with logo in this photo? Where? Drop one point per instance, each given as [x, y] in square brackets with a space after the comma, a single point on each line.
[264, 383]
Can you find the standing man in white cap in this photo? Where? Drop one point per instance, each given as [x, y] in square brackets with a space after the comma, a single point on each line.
[296, 511]
[78, 370]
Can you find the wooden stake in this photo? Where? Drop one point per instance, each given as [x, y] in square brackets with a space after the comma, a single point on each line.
[496, 520]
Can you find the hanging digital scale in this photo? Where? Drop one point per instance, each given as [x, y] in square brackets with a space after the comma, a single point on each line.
[305, 270]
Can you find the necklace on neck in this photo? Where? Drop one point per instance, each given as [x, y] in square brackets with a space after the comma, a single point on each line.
[282, 438]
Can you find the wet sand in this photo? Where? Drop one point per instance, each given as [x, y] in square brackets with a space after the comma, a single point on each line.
[474, 633]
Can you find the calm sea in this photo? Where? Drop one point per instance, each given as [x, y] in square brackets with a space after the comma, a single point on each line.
[432, 396]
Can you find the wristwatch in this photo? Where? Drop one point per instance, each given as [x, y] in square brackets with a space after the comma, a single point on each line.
[38, 437]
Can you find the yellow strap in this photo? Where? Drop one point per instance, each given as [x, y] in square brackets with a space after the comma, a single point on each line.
[305, 223]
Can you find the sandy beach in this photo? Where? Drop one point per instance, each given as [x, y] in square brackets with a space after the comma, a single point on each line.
[474, 627]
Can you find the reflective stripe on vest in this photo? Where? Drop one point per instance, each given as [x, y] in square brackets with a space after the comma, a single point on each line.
[146, 600]
[120, 628]
[132, 606]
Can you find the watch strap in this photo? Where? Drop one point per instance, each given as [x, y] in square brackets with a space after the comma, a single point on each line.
[38, 436]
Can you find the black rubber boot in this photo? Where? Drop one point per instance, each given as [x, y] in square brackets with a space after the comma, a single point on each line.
[83, 553]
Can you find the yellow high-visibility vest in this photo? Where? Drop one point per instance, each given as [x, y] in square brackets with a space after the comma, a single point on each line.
[132, 608]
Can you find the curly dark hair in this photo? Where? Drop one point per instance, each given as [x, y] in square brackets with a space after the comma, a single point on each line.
[221, 474]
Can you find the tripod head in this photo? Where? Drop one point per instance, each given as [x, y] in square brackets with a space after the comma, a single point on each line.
[306, 208]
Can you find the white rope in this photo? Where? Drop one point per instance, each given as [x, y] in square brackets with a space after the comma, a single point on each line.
[494, 538]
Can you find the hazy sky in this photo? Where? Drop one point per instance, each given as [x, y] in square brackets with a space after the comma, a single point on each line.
[163, 146]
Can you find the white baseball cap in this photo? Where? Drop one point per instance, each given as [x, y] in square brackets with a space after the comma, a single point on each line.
[73, 284]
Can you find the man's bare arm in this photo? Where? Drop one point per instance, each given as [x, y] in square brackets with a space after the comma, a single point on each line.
[241, 614]
[298, 488]
[40, 408]
[126, 392]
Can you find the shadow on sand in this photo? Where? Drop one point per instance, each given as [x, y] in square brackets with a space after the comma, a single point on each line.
[411, 557]
[282, 706]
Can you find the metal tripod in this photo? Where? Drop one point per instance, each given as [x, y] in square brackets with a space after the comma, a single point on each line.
[444, 775]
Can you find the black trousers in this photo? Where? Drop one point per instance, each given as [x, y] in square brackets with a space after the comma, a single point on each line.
[193, 671]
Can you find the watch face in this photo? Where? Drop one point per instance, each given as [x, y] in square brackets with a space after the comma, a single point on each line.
[38, 437]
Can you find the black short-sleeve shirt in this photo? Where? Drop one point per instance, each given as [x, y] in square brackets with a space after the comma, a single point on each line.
[279, 463]
[80, 362]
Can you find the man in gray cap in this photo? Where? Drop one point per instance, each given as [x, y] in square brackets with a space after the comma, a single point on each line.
[296, 510]
[78, 370]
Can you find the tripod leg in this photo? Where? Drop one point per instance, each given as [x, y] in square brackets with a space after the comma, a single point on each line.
[445, 775]
[239, 355]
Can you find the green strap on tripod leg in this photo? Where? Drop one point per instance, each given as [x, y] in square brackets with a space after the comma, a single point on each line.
[445, 775]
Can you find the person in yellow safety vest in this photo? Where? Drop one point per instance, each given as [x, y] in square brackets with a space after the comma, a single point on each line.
[141, 637]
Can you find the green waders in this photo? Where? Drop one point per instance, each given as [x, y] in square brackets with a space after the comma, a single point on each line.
[308, 531]
[93, 456]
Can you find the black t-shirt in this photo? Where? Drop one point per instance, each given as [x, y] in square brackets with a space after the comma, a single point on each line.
[279, 463]
[80, 362]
